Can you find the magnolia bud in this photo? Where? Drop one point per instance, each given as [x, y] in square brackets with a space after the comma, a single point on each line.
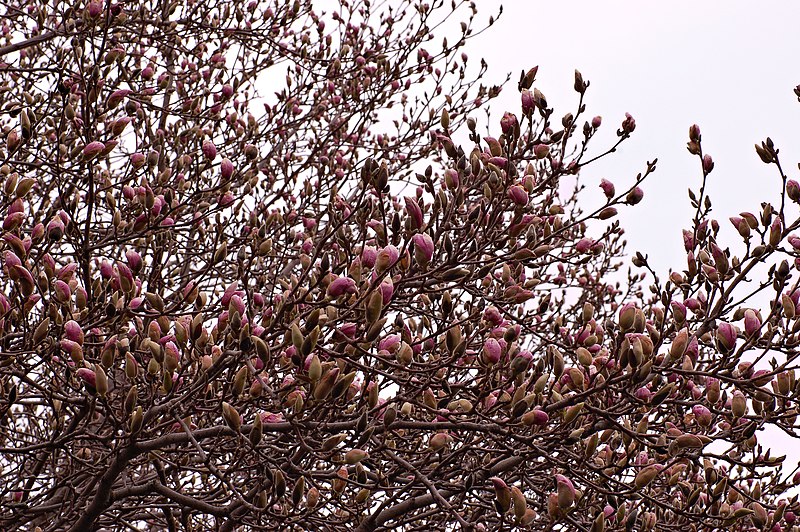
[502, 494]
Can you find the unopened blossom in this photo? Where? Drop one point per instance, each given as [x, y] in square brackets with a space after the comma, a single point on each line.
[423, 248]
[341, 285]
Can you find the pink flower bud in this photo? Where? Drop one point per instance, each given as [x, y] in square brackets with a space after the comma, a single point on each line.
[726, 336]
[391, 343]
[11, 259]
[634, 196]
[627, 314]
[386, 258]
[138, 160]
[596, 121]
[629, 124]
[87, 376]
[62, 291]
[608, 188]
[73, 331]
[116, 97]
[226, 168]
[694, 133]
[55, 229]
[492, 351]
[423, 248]
[528, 104]
[92, 150]
[540, 151]
[793, 190]
[209, 150]
[583, 245]
[518, 195]
[643, 394]
[387, 290]
[368, 256]
[752, 324]
[341, 285]
[708, 164]
[702, 415]
[414, 213]
[451, 179]
[508, 123]
[134, 260]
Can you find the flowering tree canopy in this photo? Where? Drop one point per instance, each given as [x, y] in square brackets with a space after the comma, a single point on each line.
[260, 271]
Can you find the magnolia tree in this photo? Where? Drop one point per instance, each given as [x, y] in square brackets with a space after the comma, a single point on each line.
[261, 271]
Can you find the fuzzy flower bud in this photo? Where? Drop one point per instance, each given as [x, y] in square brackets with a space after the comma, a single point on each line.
[341, 285]
[92, 150]
[492, 351]
[209, 150]
[629, 124]
[608, 188]
[423, 248]
[726, 337]
[518, 195]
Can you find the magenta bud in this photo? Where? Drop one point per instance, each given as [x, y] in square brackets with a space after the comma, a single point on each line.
[73, 331]
[61, 291]
[539, 417]
[37, 232]
[341, 285]
[119, 125]
[635, 196]
[518, 195]
[387, 290]
[726, 336]
[414, 213]
[752, 324]
[508, 123]
[87, 376]
[627, 315]
[92, 150]
[528, 103]
[368, 256]
[423, 248]
[209, 150]
[694, 133]
[134, 260]
[629, 124]
[138, 160]
[116, 97]
[227, 91]
[596, 121]
[608, 188]
[708, 164]
[540, 151]
[55, 229]
[643, 394]
[451, 179]
[13, 221]
[226, 168]
[492, 315]
[386, 257]
[391, 343]
[702, 415]
[492, 351]
[12, 259]
[793, 190]
[584, 245]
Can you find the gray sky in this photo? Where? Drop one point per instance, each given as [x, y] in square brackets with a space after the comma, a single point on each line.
[728, 66]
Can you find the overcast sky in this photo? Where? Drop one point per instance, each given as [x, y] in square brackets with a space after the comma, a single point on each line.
[728, 66]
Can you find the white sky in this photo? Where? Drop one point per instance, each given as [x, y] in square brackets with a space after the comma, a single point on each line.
[728, 66]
